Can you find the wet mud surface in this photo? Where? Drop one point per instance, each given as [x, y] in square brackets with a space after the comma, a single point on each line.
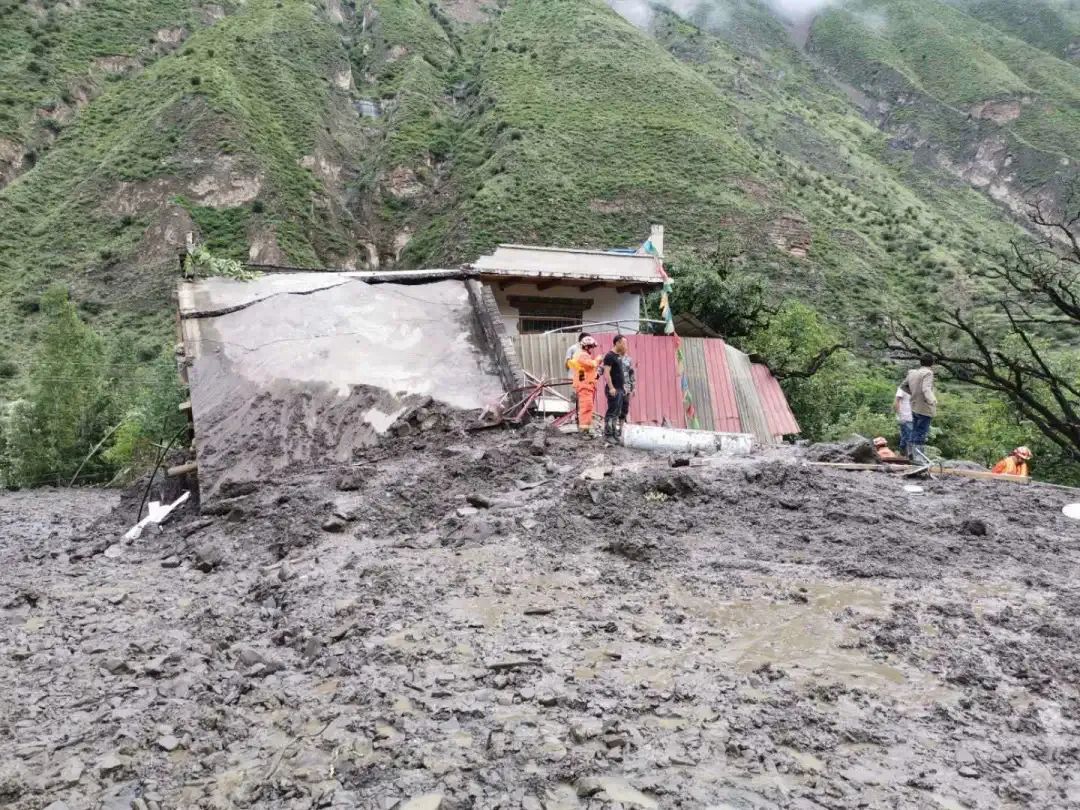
[463, 621]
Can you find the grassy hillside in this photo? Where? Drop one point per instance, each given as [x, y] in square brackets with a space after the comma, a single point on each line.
[1001, 108]
[410, 133]
[1053, 25]
[209, 139]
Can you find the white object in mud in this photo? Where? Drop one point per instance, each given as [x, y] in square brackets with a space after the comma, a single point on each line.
[157, 514]
[678, 440]
[914, 488]
[1071, 510]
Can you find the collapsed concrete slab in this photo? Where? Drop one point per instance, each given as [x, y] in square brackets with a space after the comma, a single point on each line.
[295, 371]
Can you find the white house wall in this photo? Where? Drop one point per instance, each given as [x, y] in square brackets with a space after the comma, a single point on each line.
[608, 305]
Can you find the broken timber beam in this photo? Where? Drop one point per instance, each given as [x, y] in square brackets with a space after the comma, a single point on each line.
[182, 469]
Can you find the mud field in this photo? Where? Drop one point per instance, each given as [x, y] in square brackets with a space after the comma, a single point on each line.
[465, 622]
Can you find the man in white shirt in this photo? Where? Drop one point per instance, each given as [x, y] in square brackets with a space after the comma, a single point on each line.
[902, 406]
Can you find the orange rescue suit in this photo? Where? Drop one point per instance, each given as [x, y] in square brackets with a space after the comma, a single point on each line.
[1011, 465]
[583, 375]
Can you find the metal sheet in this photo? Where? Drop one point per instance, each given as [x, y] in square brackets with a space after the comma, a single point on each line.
[697, 374]
[751, 412]
[725, 407]
[778, 413]
[730, 394]
[544, 356]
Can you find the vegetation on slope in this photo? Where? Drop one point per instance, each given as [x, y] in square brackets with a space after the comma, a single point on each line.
[555, 122]
[958, 81]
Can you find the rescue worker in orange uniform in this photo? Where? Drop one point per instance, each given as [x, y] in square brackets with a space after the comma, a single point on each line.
[881, 444]
[1016, 463]
[583, 370]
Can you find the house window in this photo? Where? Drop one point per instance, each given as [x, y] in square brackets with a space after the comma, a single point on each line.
[537, 314]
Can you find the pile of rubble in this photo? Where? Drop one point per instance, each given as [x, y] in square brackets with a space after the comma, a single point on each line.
[457, 620]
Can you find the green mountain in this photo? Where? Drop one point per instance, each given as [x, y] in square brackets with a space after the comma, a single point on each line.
[852, 158]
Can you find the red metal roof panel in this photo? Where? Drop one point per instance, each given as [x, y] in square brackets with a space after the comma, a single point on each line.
[781, 420]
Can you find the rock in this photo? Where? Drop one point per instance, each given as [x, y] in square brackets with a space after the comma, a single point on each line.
[257, 663]
[334, 524]
[351, 480]
[428, 801]
[968, 771]
[616, 790]
[114, 664]
[857, 449]
[585, 730]
[171, 562]
[72, 772]
[58, 806]
[109, 765]
[974, 527]
[538, 445]
[114, 551]
[208, 557]
[479, 501]
[168, 743]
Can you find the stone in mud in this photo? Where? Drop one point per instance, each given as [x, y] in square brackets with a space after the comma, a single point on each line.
[72, 772]
[168, 743]
[58, 805]
[334, 525]
[478, 501]
[428, 801]
[109, 765]
[857, 450]
[208, 557]
[351, 480]
[171, 562]
[974, 527]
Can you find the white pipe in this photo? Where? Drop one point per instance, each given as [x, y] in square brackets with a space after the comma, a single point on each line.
[677, 440]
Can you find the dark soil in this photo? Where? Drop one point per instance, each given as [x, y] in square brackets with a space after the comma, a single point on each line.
[454, 621]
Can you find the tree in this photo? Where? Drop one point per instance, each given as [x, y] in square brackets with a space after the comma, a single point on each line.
[1031, 357]
[67, 410]
[726, 299]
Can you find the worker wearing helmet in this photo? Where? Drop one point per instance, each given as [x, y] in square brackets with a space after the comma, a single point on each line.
[881, 445]
[583, 376]
[1016, 463]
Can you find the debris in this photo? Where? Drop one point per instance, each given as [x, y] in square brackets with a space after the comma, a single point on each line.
[157, 514]
[974, 527]
[1071, 510]
[334, 524]
[171, 561]
[857, 449]
[72, 772]
[539, 611]
[428, 801]
[502, 666]
[597, 473]
[208, 557]
[168, 743]
[479, 501]
[351, 480]
[914, 489]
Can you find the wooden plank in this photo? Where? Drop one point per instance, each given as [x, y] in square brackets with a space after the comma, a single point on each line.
[182, 469]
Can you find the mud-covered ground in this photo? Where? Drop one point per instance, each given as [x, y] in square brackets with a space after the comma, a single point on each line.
[462, 621]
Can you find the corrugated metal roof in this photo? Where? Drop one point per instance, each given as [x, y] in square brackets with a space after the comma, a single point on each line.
[697, 372]
[725, 408]
[580, 265]
[751, 412]
[731, 395]
[781, 420]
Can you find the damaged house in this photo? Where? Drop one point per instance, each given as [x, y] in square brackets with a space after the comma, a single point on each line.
[298, 368]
